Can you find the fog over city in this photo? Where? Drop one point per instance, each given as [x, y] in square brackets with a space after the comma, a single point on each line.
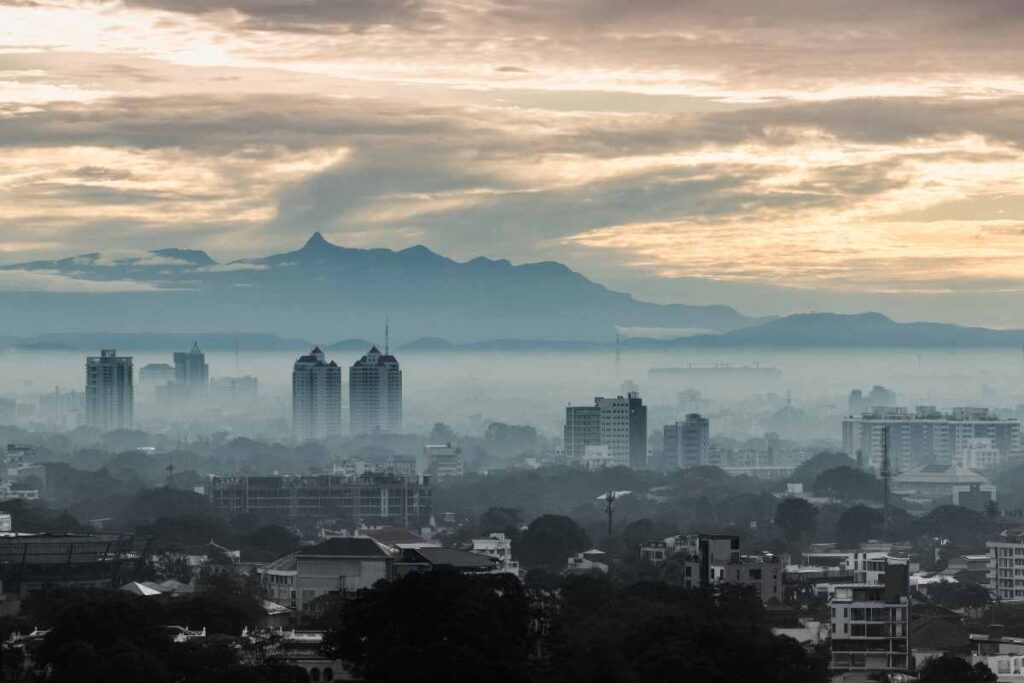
[523, 341]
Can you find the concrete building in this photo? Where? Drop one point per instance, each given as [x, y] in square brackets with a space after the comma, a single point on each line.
[596, 458]
[373, 497]
[109, 391]
[619, 423]
[156, 374]
[591, 561]
[335, 566]
[375, 394]
[316, 397]
[499, 547]
[444, 460]
[8, 412]
[191, 370]
[940, 483]
[687, 443]
[62, 410]
[977, 454]
[871, 624]
[715, 559]
[926, 436]
[1006, 566]
[239, 391]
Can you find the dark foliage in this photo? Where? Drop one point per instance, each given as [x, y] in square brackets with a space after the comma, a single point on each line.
[950, 669]
[655, 632]
[550, 540]
[437, 626]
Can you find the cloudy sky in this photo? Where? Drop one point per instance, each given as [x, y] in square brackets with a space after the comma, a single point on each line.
[775, 156]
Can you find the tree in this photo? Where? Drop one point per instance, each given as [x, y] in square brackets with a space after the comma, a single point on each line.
[442, 433]
[950, 669]
[809, 470]
[797, 518]
[858, 524]
[955, 595]
[848, 483]
[655, 632]
[550, 540]
[436, 626]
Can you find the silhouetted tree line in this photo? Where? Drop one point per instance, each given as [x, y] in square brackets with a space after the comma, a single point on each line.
[445, 626]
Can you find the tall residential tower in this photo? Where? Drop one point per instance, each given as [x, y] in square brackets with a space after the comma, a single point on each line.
[316, 397]
[191, 370]
[375, 394]
[109, 391]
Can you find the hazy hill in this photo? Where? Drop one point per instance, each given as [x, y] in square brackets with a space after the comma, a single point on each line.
[863, 329]
[324, 291]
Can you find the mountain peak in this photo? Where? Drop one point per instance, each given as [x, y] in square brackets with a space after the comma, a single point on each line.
[316, 241]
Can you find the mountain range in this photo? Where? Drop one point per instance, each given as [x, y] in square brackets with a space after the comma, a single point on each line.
[323, 291]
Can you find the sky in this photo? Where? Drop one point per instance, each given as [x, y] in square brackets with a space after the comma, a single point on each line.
[775, 156]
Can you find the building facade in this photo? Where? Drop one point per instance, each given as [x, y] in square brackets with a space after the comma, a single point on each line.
[1006, 567]
[191, 370]
[618, 423]
[375, 394]
[316, 397]
[377, 497]
[688, 443]
[109, 391]
[444, 460]
[871, 624]
[926, 436]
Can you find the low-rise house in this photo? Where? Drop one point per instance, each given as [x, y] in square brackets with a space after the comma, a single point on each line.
[499, 547]
[591, 561]
[430, 558]
[334, 566]
[1002, 654]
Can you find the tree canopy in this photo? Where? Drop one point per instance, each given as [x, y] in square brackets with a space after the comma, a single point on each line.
[550, 540]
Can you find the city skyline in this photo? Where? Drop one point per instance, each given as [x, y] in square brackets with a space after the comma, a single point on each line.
[807, 156]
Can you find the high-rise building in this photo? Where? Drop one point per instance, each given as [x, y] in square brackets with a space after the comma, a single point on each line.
[316, 397]
[688, 443]
[926, 436]
[109, 391]
[235, 390]
[618, 423]
[191, 370]
[375, 394]
[155, 374]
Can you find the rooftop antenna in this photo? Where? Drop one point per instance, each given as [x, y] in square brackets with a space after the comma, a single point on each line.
[618, 350]
[387, 334]
[886, 473]
[609, 508]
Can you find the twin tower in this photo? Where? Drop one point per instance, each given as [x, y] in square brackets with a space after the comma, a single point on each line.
[374, 395]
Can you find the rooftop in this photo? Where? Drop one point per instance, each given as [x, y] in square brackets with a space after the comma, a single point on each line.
[345, 547]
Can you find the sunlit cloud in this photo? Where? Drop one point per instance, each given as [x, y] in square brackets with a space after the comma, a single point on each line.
[797, 144]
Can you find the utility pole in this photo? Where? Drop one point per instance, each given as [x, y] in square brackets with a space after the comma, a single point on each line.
[609, 508]
[886, 473]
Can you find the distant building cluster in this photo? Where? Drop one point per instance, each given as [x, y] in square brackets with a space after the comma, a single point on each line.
[970, 438]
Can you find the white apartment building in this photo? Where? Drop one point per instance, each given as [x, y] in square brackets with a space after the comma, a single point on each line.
[316, 397]
[499, 547]
[618, 423]
[109, 391]
[926, 436]
[977, 453]
[1006, 566]
[375, 394]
